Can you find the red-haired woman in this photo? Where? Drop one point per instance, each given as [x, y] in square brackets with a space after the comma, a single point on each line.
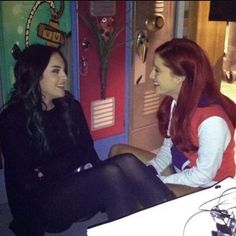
[195, 119]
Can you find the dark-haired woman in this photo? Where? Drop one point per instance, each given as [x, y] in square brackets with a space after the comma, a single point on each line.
[195, 119]
[52, 172]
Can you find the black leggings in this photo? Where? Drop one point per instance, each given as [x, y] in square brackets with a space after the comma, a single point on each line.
[118, 186]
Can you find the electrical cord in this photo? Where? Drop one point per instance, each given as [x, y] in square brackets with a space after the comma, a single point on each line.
[225, 221]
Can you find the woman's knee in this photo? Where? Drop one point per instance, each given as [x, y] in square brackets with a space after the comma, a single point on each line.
[127, 159]
[110, 170]
[116, 149]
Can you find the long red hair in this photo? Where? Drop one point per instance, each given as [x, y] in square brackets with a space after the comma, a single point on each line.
[186, 58]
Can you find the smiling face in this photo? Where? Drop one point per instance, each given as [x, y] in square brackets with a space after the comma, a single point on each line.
[53, 81]
[164, 80]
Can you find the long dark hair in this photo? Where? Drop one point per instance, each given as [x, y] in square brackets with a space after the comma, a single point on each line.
[185, 58]
[28, 71]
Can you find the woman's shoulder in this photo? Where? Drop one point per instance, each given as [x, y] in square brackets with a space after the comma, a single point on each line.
[74, 103]
[213, 110]
[69, 98]
[77, 108]
[12, 113]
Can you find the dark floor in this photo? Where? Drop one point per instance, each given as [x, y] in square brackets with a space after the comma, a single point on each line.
[77, 229]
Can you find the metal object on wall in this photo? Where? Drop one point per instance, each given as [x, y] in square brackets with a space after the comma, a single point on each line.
[142, 45]
[83, 60]
[102, 113]
[155, 22]
[102, 8]
[141, 50]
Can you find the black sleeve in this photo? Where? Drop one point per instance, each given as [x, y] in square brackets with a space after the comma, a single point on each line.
[73, 156]
[23, 186]
[18, 158]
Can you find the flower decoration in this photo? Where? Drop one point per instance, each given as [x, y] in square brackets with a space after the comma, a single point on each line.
[105, 34]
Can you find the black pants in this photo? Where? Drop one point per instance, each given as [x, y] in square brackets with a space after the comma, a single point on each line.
[118, 186]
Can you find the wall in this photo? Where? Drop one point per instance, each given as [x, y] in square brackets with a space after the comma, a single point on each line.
[209, 34]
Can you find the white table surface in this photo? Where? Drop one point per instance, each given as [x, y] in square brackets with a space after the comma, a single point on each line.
[170, 218]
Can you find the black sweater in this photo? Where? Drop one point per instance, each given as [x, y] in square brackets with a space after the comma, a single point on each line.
[21, 157]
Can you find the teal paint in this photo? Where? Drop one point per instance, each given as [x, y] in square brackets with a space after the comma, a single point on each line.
[14, 16]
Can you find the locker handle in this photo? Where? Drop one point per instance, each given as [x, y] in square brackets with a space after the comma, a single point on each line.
[142, 45]
[155, 22]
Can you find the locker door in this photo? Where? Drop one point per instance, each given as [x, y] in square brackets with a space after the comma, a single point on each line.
[153, 25]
